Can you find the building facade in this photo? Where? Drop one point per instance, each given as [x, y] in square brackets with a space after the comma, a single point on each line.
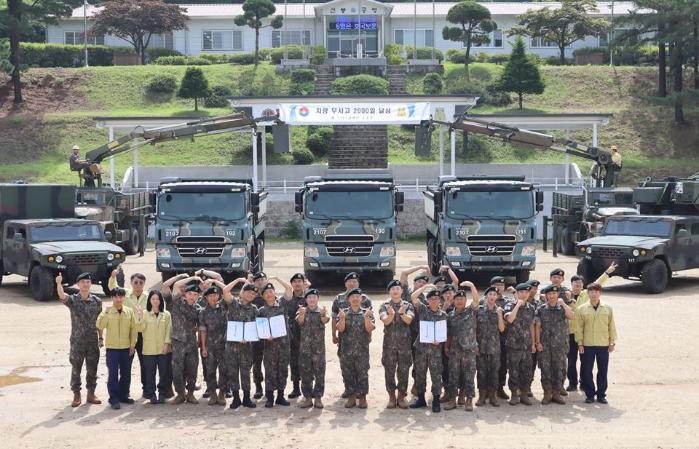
[346, 28]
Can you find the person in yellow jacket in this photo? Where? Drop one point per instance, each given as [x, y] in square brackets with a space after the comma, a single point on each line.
[121, 325]
[155, 325]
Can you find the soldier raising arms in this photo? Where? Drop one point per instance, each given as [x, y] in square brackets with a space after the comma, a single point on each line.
[311, 320]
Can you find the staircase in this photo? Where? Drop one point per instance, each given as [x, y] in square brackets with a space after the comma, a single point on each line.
[325, 76]
[359, 146]
[397, 84]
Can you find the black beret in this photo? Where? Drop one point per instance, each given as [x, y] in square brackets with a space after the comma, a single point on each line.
[309, 292]
[432, 294]
[193, 288]
[490, 289]
[550, 288]
[297, 276]
[267, 286]
[441, 279]
[460, 293]
[351, 275]
[422, 276]
[497, 280]
[393, 283]
[533, 283]
[259, 275]
[354, 291]
[557, 272]
[448, 287]
[82, 276]
[249, 288]
[523, 286]
[211, 290]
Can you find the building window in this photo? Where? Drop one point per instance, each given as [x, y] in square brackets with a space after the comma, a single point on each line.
[425, 38]
[290, 37]
[494, 40]
[162, 41]
[222, 40]
[540, 42]
[78, 38]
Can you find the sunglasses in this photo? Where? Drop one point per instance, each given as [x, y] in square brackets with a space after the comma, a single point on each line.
[138, 282]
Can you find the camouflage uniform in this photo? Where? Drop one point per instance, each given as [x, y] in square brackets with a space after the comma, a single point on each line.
[519, 346]
[488, 360]
[535, 356]
[428, 355]
[276, 351]
[294, 336]
[258, 348]
[83, 339]
[415, 324]
[501, 302]
[312, 354]
[185, 353]
[554, 338]
[213, 321]
[462, 351]
[238, 357]
[341, 302]
[354, 353]
[397, 355]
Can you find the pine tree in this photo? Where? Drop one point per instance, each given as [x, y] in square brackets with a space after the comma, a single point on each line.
[521, 75]
[194, 86]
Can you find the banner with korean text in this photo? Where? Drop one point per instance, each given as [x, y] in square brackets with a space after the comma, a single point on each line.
[354, 113]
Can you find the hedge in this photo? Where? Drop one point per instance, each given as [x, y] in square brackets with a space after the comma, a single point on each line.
[303, 75]
[423, 53]
[432, 84]
[293, 52]
[360, 85]
[181, 60]
[392, 54]
[302, 156]
[318, 55]
[162, 85]
[59, 55]
[154, 53]
[219, 97]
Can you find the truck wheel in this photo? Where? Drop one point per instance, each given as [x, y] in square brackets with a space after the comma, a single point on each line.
[313, 277]
[105, 287]
[567, 244]
[132, 244]
[522, 276]
[434, 259]
[654, 276]
[42, 284]
[587, 271]
[257, 258]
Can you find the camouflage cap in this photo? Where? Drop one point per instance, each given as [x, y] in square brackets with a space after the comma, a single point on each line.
[432, 294]
[448, 288]
[523, 286]
[393, 283]
[557, 272]
[550, 289]
[266, 287]
[490, 289]
[192, 288]
[309, 292]
[354, 291]
[84, 276]
[297, 276]
[441, 279]
[351, 275]
[259, 275]
[249, 288]
[497, 280]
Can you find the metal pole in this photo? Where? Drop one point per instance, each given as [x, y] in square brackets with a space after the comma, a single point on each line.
[264, 158]
[433, 32]
[594, 134]
[452, 138]
[611, 38]
[85, 31]
[286, 31]
[414, 31]
[441, 150]
[135, 165]
[360, 54]
[111, 160]
[254, 161]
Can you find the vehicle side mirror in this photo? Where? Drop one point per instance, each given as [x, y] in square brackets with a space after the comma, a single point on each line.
[18, 237]
[298, 202]
[437, 202]
[108, 235]
[255, 202]
[152, 199]
[539, 200]
[399, 201]
[682, 233]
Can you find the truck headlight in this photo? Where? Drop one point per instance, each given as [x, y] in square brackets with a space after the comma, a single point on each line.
[589, 250]
[164, 253]
[636, 253]
[310, 251]
[238, 252]
[388, 251]
[59, 259]
[529, 250]
[453, 251]
[110, 257]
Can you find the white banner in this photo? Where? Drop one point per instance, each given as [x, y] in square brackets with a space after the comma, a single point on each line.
[354, 113]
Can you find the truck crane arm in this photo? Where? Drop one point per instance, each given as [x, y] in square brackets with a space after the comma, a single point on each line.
[604, 165]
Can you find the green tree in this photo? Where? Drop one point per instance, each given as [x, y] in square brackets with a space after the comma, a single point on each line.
[520, 75]
[253, 13]
[136, 21]
[569, 23]
[474, 25]
[194, 85]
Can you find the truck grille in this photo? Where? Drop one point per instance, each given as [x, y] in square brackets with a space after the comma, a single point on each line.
[200, 246]
[84, 259]
[608, 252]
[491, 245]
[349, 245]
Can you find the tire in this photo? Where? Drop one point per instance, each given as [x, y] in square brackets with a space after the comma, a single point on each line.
[257, 258]
[434, 259]
[567, 244]
[132, 245]
[587, 271]
[522, 276]
[654, 276]
[314, 277]
[42, 284]
[105, 287]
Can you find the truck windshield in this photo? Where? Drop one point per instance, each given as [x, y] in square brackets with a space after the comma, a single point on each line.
[360, 205]
[518, 204]
[202, 206]
[660, 228]
[71, 231]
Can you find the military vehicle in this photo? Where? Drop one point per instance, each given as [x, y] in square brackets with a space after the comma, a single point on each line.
[212, 224]
[577, 217]
[649, 247]
[41, 238]
[482, 224]
[349, 221]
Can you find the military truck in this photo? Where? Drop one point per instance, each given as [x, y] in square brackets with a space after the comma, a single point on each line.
[649, 247]
[41, 237]
[349, 222]
[577, 217]
[212, 224]
[482, 225]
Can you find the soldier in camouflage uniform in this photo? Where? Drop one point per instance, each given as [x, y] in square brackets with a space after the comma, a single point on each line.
[462, 347]
[355, 324]
[551, 339]
[311, 320]
[238, 356]
[258, 347]
[557, 277]
[298, 285]
[499, 283]
[212, 330]
[418, 281]
[396, 356]
[85, 338]
[534, 300]
[185, 356]
[490, 325]
[428, 355]
[519, 316]
[446, 303]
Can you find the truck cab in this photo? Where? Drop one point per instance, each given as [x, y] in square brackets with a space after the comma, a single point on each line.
[212, 224]
[482, 224]
[349, 223]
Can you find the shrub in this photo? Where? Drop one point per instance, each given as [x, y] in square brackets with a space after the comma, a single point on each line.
[423, 53]
[58, 55]
[171, 60]
[198, 61]
[154, 53]
[495, 58]
[303, 75]
[360, 85]
[302, 156]
[392, 54]
[194, 86]
[161, 85]
[432, 84]
[300, 89]
[456, 56]
[480, 73]
[326, 133]
[588, 51]
[263, 54]
[218, 98]
[634, 55]
[555, 60]
[315, 144]
[318, 55]
[242, 58]
[292, 229]
[293, 52]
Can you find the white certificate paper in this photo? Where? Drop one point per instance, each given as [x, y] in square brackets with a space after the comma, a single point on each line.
[263, 330]
[440, 331]
[250, 333]
[433, 331]
[234, 331]
[278, 326]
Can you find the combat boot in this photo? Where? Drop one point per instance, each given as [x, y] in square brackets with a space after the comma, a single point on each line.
[212, 397]
[400, 401]
[524, 398]
[462, 398]
[318, 403]
[258, 390]
[547, 397]
[529, 392]
[563, 392]
[269, 394]
[501, 394]
[91, 398]
[246, 400]
[445, 398]
[76, 399]
[361, 403]
[493, 398]
[221, 400]
[296, 392]
[206, 395]
[413, 390]
[351, 402]
[344, 395]
[179, 399]
[469, 404]
[190, 398]
[419, 401]
[235, 403]
[436, 405]
[482, 397]
[451, 405]
[391, 399]
[280, 399]
[306, 403]
[556, 397]
[514, 398]
[169, 393]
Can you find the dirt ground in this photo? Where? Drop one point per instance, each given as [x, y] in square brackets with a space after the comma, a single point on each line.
[653, 393]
